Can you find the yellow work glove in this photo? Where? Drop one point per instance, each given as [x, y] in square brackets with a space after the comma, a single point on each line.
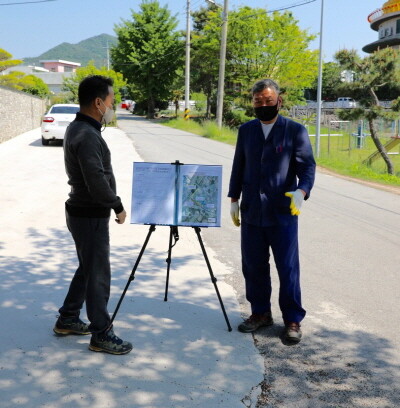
[235, 213]
[296, 200]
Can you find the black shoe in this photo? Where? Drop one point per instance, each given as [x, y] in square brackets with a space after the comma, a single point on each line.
[70, 325]
[292, 333]
[108, 342]
[255, 321]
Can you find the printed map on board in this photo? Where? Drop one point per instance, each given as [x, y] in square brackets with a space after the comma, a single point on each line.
[199, 199]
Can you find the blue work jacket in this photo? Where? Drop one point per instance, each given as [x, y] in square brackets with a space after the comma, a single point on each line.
[264, 170]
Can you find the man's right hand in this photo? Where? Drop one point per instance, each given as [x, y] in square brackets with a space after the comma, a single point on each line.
[121, 217]
[235, 213]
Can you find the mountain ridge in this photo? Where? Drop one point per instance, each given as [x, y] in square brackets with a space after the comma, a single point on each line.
[90, 49]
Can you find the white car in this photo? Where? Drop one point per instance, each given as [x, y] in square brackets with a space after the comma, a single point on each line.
[132, 106]
[56, 120]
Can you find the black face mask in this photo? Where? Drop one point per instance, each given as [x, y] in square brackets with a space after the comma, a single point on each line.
[266, 113]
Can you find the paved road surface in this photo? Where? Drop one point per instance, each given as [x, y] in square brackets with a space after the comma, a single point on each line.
[183, 356]
[349, 244]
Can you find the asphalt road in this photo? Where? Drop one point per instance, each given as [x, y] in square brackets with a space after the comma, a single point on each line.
[350, 258]
[183, 354]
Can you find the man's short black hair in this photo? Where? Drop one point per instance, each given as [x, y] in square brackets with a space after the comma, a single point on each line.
[92, 87]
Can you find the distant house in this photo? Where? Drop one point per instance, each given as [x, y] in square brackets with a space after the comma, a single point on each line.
[52, 72]
[60, 65]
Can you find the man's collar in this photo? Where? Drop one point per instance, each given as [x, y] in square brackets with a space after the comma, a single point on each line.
[85, 118]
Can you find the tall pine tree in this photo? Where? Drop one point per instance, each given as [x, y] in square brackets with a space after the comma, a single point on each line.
[371, 73]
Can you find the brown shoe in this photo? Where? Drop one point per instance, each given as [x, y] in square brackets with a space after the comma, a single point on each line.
[292, 332]
[255, 321]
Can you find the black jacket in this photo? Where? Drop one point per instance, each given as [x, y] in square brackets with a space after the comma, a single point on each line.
[88, 167]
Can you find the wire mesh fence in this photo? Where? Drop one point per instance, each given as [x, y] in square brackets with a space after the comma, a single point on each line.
[350, 141]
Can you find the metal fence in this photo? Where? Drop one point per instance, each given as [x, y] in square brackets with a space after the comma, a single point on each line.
[350, 139]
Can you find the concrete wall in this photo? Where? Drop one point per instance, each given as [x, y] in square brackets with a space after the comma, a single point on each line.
[19, 112]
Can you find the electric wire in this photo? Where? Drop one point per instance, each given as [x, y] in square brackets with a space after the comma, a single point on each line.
[25, 2]
[303, 3]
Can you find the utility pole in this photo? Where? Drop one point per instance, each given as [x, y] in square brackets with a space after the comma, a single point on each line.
[319, 89]
[222, 56]
[187, 64]
[108, 56]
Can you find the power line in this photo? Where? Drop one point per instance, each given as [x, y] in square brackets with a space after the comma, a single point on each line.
[26, 2]
[293, 5]
[302, 3]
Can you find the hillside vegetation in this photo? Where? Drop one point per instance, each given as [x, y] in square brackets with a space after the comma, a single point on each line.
[91, 49]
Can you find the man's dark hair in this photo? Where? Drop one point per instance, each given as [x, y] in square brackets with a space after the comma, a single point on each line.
[264, 84]
[92, 87]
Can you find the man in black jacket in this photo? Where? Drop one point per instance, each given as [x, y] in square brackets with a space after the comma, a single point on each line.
[92, 197]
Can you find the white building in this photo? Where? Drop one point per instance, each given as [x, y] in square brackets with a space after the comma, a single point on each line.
[51, 72]
[386, 21]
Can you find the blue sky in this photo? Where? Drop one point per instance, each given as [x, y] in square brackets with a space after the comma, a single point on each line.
[27, 30]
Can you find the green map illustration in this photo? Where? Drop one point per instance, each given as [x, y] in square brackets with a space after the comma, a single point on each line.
[199, 199]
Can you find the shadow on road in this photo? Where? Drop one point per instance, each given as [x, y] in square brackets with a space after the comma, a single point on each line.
[165, 369]
[53, 143]
[354, 372]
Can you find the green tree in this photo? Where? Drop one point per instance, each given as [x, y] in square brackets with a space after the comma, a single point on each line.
[331, 80]
[36, 86]
[149, 53]
[265, 45]
[205, 54]
[25, 83]
[6, 61]
[259, 45]
[71, 84]
[373, 72]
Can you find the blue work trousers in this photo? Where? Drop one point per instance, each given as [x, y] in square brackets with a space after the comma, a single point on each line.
[255, 244]
[92, 279]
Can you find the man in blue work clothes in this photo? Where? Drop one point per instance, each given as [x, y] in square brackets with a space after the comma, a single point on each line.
[273, 172]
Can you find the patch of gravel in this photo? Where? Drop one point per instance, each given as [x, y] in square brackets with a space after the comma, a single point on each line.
[328, 369]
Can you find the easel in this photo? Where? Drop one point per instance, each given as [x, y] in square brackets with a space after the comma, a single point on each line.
[173, 236]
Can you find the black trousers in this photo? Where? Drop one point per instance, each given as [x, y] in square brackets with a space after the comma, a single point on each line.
[91, 282]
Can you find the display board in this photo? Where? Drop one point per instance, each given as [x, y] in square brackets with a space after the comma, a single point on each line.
[176, 194]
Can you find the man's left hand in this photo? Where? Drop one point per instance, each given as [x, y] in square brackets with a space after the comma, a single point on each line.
[121, 217]
[296, 200]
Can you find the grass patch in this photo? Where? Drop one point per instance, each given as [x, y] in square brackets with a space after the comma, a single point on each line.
[343, 155]
[206, 128]
[358, 170]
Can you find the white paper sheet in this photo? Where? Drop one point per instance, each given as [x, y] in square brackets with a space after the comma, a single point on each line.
[153, 193]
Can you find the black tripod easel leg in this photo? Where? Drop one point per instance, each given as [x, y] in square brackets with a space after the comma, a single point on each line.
[173, 233]
[213, 278]
[132, 275]
[168, 260]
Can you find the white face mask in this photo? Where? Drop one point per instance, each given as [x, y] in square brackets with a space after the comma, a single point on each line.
[108, 115]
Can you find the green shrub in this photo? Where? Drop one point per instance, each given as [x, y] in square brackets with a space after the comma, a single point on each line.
[236, 117]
